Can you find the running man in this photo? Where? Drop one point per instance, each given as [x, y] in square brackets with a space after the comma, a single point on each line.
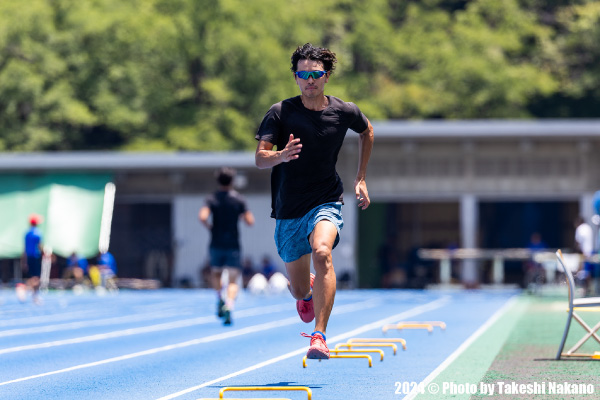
[226, 207]
[306, 191]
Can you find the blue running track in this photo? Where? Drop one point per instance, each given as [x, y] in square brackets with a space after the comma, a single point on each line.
[168, 344]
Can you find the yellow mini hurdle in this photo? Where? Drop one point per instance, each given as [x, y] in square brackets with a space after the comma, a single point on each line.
[368, 357]
[354, 346]
[263, 388]
[380, 352]
[374, 340]
[415, 325]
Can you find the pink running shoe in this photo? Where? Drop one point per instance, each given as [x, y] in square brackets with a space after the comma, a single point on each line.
[305, 308]
[318, 347]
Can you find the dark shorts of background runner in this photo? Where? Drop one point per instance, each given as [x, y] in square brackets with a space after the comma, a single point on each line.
[221, 258]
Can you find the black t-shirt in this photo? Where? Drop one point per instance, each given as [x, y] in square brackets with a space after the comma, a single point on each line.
[226, 208]
[300, 185]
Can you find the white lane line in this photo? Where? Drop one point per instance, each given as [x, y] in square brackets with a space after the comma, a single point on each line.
[145, 329]
[125, 319]
[44, 318]
[446, 363]
[221, 336]
[84, 324]
[161, 307]
[365, 328]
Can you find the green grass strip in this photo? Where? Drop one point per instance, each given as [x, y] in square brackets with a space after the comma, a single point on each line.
[518, 349]
[471, 365]
[528, 356]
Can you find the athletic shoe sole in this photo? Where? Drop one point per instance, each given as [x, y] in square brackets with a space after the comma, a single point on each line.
[317, 354]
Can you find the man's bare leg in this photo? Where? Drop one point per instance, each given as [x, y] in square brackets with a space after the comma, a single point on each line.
[216, 278]
[300, 287]
[319, 307]
[216, 284]
[231, 294]
[322, 239]
[232, 287]
[299, 276]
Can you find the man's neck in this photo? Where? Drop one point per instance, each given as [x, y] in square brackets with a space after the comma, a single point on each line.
[315, 103]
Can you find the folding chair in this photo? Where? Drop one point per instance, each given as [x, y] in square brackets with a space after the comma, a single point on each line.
[580, 304]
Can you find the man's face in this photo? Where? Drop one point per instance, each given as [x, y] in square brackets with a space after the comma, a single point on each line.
[311, 87]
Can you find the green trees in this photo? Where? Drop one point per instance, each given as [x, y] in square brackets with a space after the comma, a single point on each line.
[200, 74]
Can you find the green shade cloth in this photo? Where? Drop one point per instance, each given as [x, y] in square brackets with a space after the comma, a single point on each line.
[71, 205]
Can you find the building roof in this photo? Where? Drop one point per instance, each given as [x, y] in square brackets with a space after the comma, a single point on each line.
[109, 161]
[431, 129]
[486, 129]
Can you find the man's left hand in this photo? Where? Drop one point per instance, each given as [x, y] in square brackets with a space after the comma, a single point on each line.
[362, 194]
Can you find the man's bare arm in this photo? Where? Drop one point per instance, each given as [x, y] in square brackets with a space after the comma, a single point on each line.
[266, 157]
[365, 146]
[203, 215]
[248, 218]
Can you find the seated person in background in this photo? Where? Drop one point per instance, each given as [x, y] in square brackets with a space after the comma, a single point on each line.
[76, 268]
[534, 271]
[104, 271]
[268, 268]
[247, 271]
[206, 275]
[107, 263]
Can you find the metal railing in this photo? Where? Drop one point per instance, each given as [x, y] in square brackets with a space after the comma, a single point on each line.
[498, 257]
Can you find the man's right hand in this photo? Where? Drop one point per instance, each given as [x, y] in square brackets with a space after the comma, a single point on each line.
[266, 157]
[291, 149]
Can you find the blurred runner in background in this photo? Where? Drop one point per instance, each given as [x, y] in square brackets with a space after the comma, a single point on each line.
[226, 207]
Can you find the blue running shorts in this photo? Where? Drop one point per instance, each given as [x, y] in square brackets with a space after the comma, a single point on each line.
[291, 235]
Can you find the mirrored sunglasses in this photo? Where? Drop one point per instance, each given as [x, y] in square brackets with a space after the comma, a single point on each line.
[310, 74]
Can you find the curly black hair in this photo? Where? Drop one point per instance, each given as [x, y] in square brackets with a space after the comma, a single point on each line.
[309, 52]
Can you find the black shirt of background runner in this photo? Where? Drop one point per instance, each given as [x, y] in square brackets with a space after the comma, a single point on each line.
[226, 208]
